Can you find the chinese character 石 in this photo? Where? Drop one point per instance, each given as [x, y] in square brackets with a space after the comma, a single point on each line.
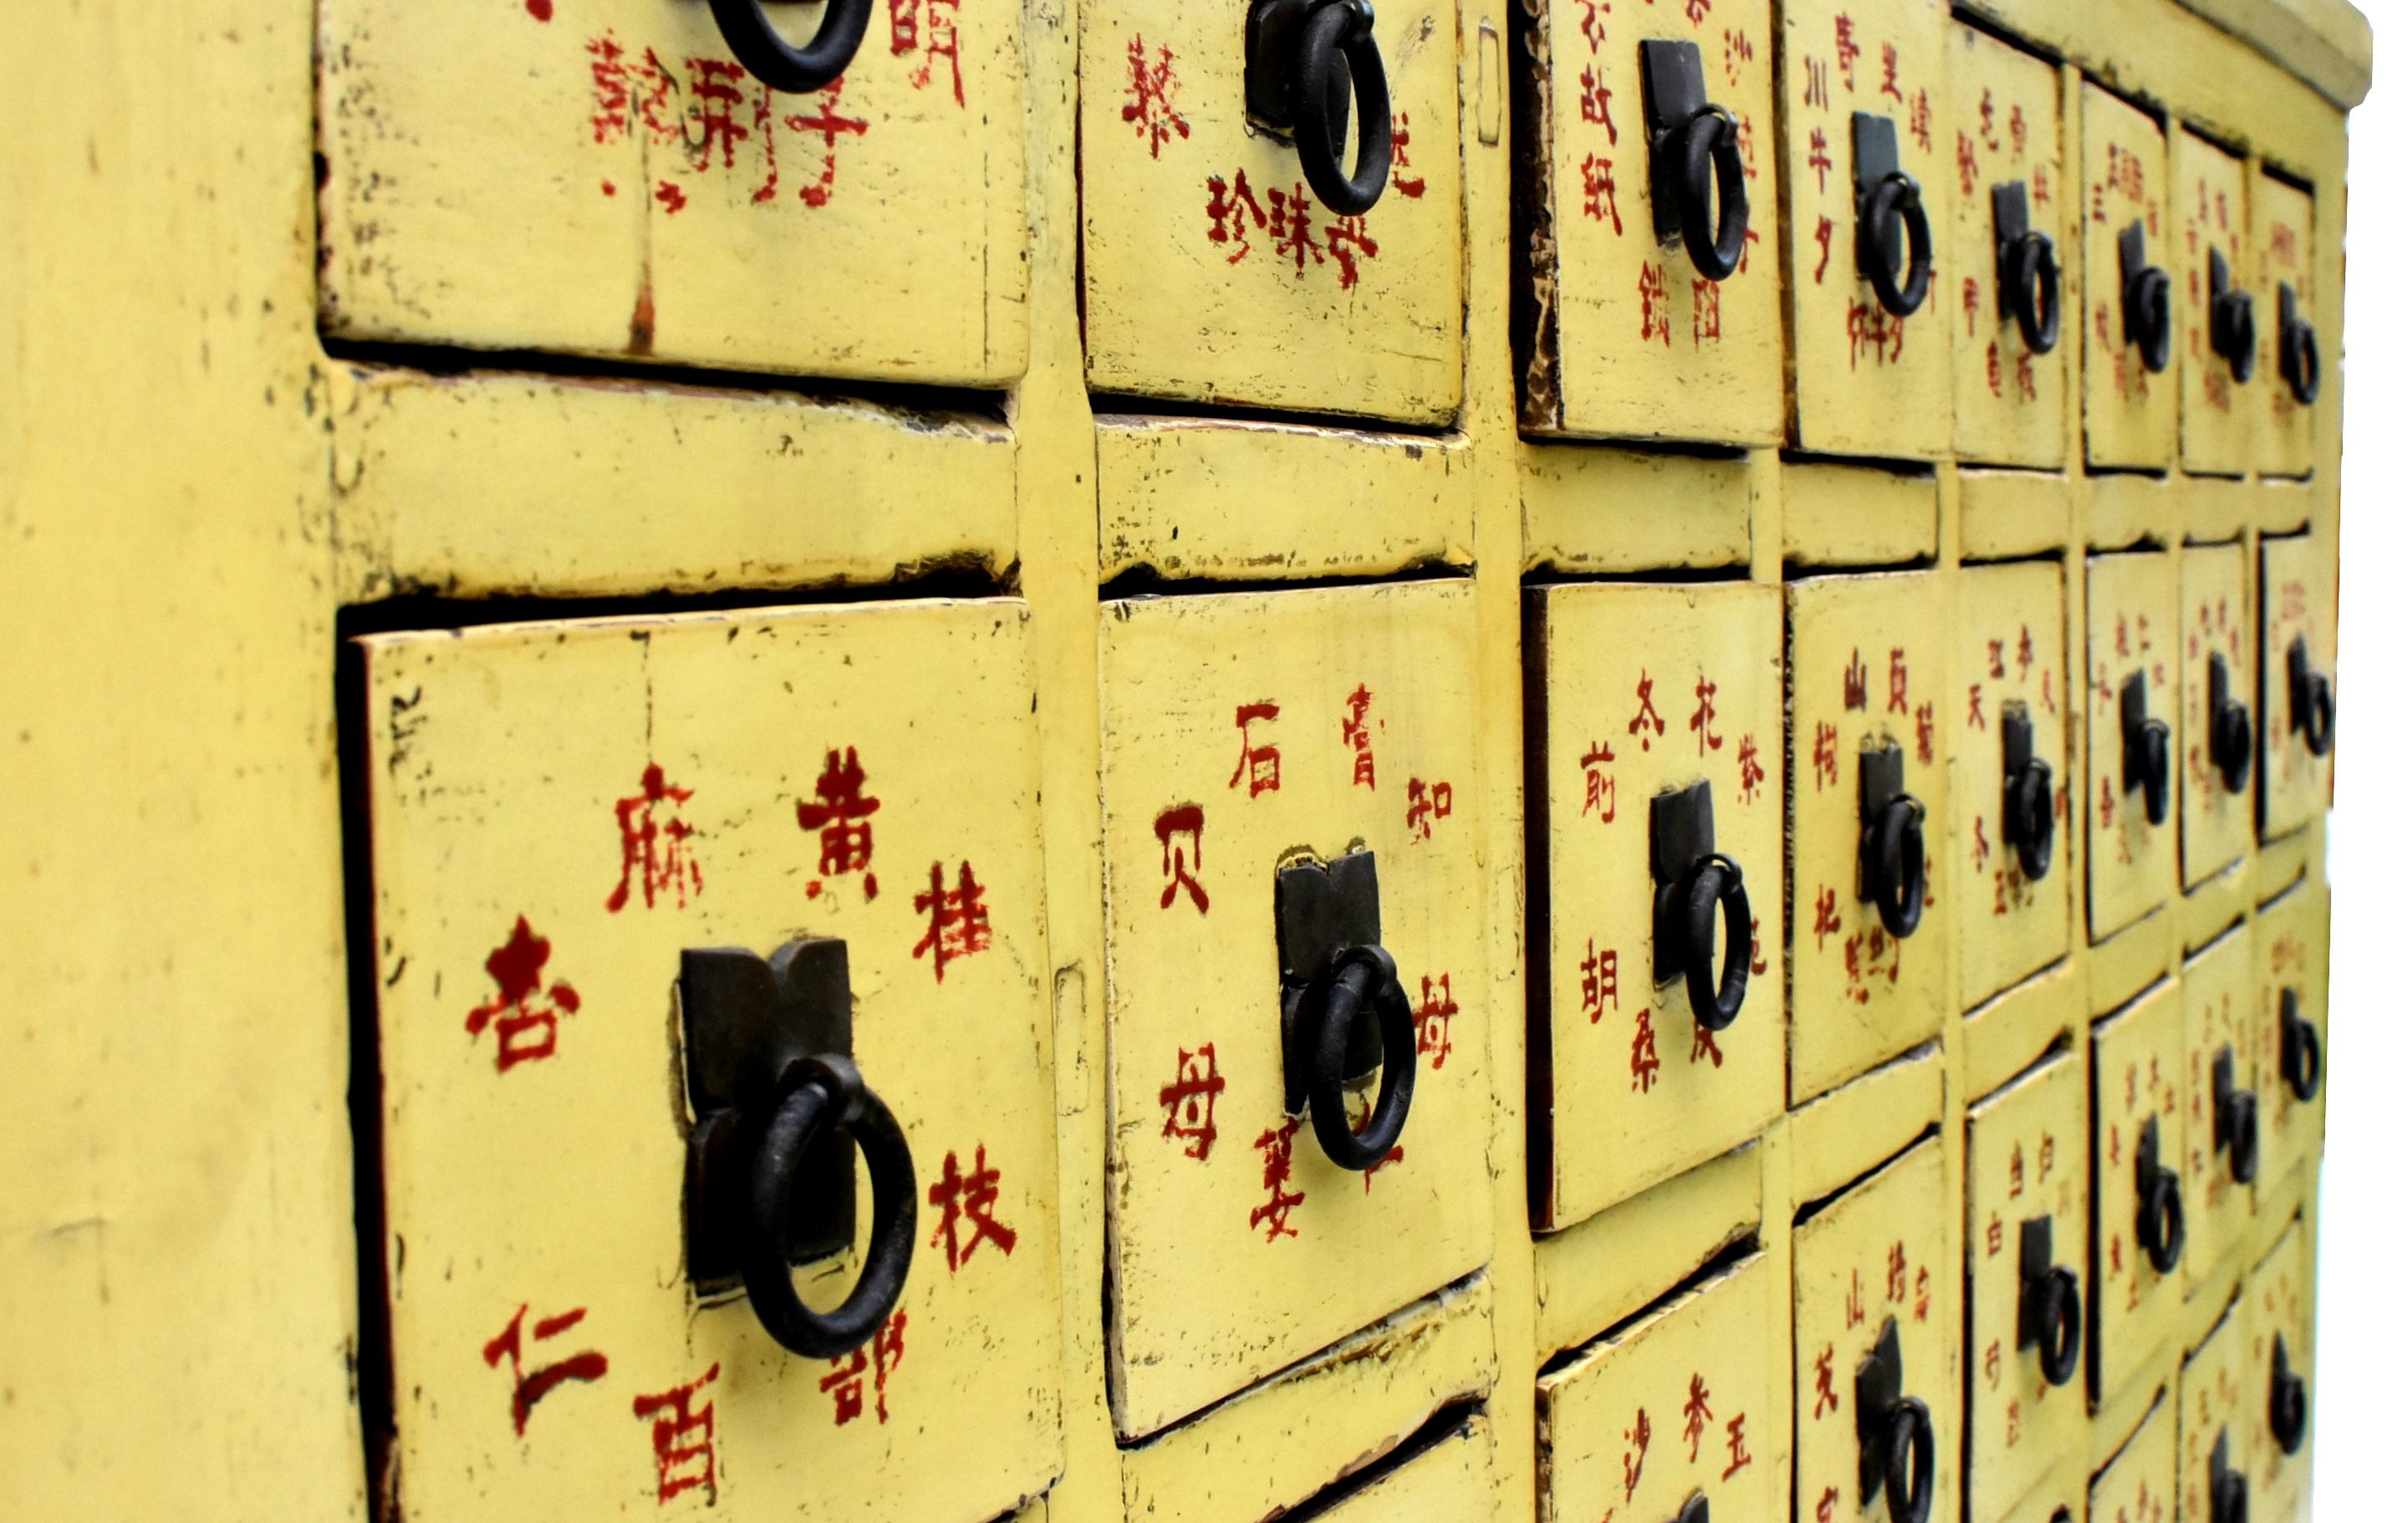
[1434, 1020]
[1151, 88]
[517, 969]
[845, 846]
[527, 1388]
[685, 1452]
[1188, 821]
[957, 924]
[655, 849]
[969, 1198]
[1278, 1147]
[1258, 766]
[1355, 731]
[1189, 1102]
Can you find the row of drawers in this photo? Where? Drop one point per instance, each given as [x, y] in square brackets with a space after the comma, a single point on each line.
[667, 204]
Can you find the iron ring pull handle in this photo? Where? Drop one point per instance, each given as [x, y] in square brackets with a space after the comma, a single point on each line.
[828, 1091]
[1334, 47]
[1714, 193]
[2301, 361]
[2229, 744]
[2032, 817]
[1908, 1474]
[768, 57]
[1894, 868]
[2287, 1402]
[2052, 1316]
[1358, 975]
[2035, 290]
[2229, 1501]
[2241, 1121]
[2153, 761]
[2149, 315]
[1896, 198]
[1715, 883]
[1695, 1510]
[2232, 332]
[2311, 701]
[2304, 1049]
[2162, 1228]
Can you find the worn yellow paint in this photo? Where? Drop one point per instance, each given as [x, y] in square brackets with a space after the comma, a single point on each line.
[2280, 1301]
[2140, 1481]
[2132, 633]
[1452, 1480]
[1848, 1131]
[2023, 1159]
[2284, 508]
[2005, 514]
[2328, 41]
[2293, 952]
[2210, 205]
[1638, 692]
[2296, 590]
[1696, 1365]
[1859, 995]
[2010, 649]
[1851, 1256]
[2127, 508]
[493, 1167]
[1850, 516]
[2217, 613]
[2215, 509]
[2218, 1015]
[1589, 508]
[2129, 413]
[607, 182]
[1259, 315]
[2057, 1498]
[1208, 1294]
[1621, 336]
[2218, 1403]
[2002, 1038]
[2282, 224]
[2008, 127]
[1602, 1271]
[2139, 1056]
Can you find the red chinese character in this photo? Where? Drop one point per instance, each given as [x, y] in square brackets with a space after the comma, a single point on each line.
[655, 851]
[1151, 88]
[1278, 1147]
[1705, 313]
[1897, 1272]
[957, 926]
[844, 1383]
[941, 37]
[1740, 1458]
[1751, 771]
[1600, 982]
[1826, 916]
[1827, 1506]
[1425, 804]
[969, 1198]
[1400, 137]
[1823, 236]
[1597, 103]
[517, 969]
[1598, 199]
[1855, 1303]
[2016, 1172]
[1643, 1062]
[1348, 242]
[1992, 1363]
[1355, 731]
[1968, 169]
[1592, 24]
[1695, 1414]
[1818, 159]
[1598, 796]
[1851, 682]
[1646, 724]
[1702, 721]
[1258, 766]
[1702, 1046]
[1291, 227]
[1818, 84]
[1982, 855]
[1188, 1103]
[1995, 1236]
[1434, 1020]
[1826, 1397]
[1188, 821]
[1634, 1459]
[526, 1388]
[1843, 33]
[1229, 209]
[831, 128]
[1918, 119]
[1698, 9]
[1897, 680]
[902, 27]
[685, 1450]
[1654, 304]
[1826, 756]
[845, 846]
[1889, 72]
[716, 95]
[1927, 722]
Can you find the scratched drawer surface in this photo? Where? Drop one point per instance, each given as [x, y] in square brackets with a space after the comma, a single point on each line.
[2224, 1105]
[1295, 925]
[2294, 654]
[1655, 769]
[2135, 663]
[2141, 1191]
[2294, 956]
[1232, 252]
[2217, 1448]
[2278, 1387]
[2219, 306]
[2012, 794]
[2219, 710]
[2138, 1484]
[2290, 335]
[2128, 389]
[1649, 188]
[570, 1001]
[607, 179]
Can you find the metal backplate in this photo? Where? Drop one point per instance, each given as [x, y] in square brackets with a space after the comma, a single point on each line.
[1323, 911]
[1875, 138]
[1681, 829]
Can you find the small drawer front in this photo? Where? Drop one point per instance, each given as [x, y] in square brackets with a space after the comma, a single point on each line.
[2294, 950]
[2133, 743]
[2279, 1392]
[1683, 1402]
[2219, 1427]
[2222, 309]
[1215, 271]
[1290, 795]
[1867, 654]
[2295, 577]
[1454, 1479]
[2012, 795]
[2219, 710]
[1624, 330]
[655, 201]
[2139, 1483]
[2291, 336]
[2127, 381]
[737, 781]
[2140, 1233]
[2224, 1105]
[2026, 1251]
[1876, 1323]
[1658, 1055]
[2009, 248]
[1867, 99]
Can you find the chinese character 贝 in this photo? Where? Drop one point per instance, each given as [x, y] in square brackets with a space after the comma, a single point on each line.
[1188, 821]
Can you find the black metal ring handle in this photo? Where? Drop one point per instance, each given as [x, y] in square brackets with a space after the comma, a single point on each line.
[1896, 198]
[829, 1093]
[1336, 45]
[2230, 1499]
[1715, 883]
[1360, 974]
[2302, 363]
[2057, 1312]
[1896, 882]
[2035, 290]
[2286, 1405]
[1908, 1476]
[2229, 743]
[2232, 332]
[2304, 1049]
[1713, 199]
[2032, 817]
[2149, 315]
[2317, 718]
[768, 57]
[2157, 770]
[1695, 1510]
[2241, 1121]
[2162, 1228]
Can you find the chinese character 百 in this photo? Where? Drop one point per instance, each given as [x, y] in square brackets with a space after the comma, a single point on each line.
[685, 1451]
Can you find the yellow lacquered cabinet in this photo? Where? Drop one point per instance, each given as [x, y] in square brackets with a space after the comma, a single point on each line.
[2294, 954]
[2138, 1188]
[2219, 710]
[1289, 780]
[2129, 338]
[560, 1337]
[2138, 1485]
[2296, 576]
[2012, 794]
[2291, 336]
[2219, 1424]
[1651, 725]
[2278, 1391]
[1453, 1478]
[2220, 305]
[605, 179]
[2224, 1106]
[2133, 704]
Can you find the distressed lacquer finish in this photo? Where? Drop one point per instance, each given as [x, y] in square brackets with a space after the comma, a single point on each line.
[2127, 411]
[2219, 611]
[2217, 1020]
[2133, 633]
[1865, 382]
[1244, 734]
[1212, 274]
[1643, 692]
[2283, 221]
[2023, 1159]
[2296, 579]
[604, 179]
[2279, 1303]
[1453, 1479]
[1884, 1252]
[1867, 658]
[2138, 1485]
[734, 781]
[1621, 334]
[1680, 1402]
[2217, 1406]
[2294, 954]
[2211, 211]
[2007, 127]
[2137, 1058]
[2010, 655]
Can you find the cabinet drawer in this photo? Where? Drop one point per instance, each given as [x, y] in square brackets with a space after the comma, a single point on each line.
[1870, 977]
[1452, 1480]
[2219, 710]
[2224, 1110]
[2219, 1424]
[2011, 794]
[2143, 1201]
[2278, 1391]
[2294, 953]
[1292, 824]
[2139, 1483]
[2026, 1254]
[1652, 308]
[2283, 216]
[2133, 706]
[1652, 1055]
[1877, 1333]
[1217, 270]
[1686, 1400]
[2217, 272]
[1867, 101]
[544, 920]
[653, 200]
[2008, 251]
[2128, 388]
[2296, 577]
